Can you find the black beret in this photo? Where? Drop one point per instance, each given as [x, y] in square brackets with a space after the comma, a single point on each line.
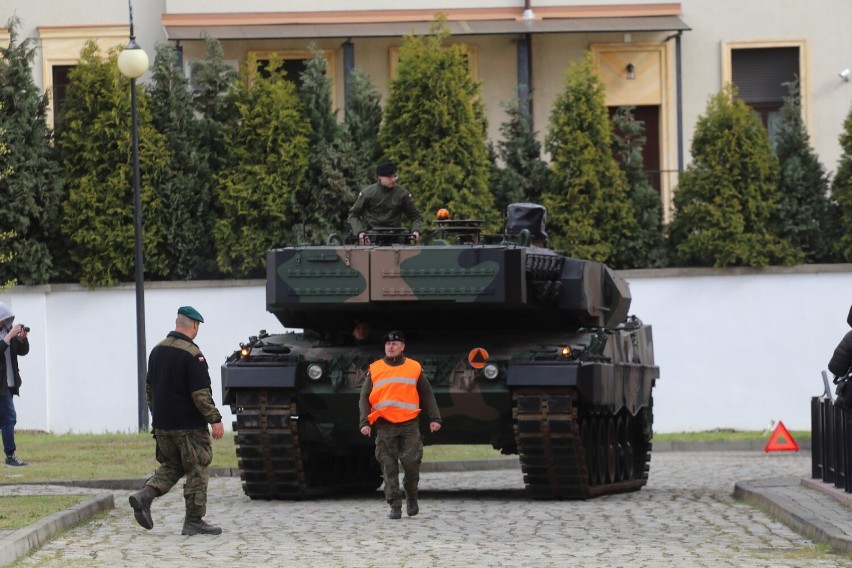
[394, 336]
[386, 169]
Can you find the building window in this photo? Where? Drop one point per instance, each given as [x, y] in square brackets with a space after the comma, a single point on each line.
[61, 80]
[293, 62]
[760, 75]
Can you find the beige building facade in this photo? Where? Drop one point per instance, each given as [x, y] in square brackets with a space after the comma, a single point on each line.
[665, 58]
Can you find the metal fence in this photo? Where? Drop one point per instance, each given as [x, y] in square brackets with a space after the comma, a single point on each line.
[831, 439]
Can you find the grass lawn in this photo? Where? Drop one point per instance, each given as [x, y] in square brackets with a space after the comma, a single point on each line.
[18, 511]
[74, 457]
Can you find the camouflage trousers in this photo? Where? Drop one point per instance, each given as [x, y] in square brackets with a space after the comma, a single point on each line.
[184, 453]
[395, 444]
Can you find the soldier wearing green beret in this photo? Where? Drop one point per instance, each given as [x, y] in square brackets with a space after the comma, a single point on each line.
[180, 399]
[383, 204]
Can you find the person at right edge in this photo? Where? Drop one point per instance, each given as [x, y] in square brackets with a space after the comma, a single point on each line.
[391, 398]
[841, 361]
[180, 399]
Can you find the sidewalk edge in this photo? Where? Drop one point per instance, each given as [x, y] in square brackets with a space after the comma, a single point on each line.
[20, 542]
[787, 512]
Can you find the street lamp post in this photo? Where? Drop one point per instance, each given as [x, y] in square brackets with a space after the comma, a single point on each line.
[133, 62]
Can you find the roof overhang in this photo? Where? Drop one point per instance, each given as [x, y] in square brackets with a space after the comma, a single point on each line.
[460, 22]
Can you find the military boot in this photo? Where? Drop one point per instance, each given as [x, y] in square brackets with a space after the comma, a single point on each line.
[141, 503]
[411, 506]
[395, 513]
[197, 525]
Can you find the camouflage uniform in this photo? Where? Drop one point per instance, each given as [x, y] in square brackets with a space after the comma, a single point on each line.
[395, 444]
[401, 442]
[380, 206]
[181, 403]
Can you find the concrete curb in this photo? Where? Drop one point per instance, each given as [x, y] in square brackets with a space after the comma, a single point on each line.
[744, 446]
[19, 542]
[774, 497]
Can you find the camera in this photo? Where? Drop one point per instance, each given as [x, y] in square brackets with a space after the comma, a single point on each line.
[25, 328]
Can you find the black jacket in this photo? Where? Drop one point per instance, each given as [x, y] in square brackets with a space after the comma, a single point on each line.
[18, 347]
[842, 358]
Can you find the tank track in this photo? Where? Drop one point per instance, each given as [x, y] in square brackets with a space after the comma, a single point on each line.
[571, 452]
[273, 462]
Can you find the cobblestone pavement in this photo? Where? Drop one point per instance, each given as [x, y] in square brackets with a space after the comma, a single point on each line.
[685, 517]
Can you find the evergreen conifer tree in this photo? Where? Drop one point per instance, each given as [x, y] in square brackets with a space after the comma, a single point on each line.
[269, 148]
[323, 200]
[803, 208]
[435, 129]
[96, 156]
[212, 81]
[360, 131]
[5, 236]
[523, 175]
[647, 249]
[727, 196]
[588, 204]
[186, 190]
[841, 192]
[31, 189]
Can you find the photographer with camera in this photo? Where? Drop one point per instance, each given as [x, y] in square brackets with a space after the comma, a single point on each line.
[14, 343]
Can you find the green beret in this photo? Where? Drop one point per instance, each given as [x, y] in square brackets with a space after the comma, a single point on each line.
[191, 313]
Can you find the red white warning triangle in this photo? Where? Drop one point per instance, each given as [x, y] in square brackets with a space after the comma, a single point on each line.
[781, 440]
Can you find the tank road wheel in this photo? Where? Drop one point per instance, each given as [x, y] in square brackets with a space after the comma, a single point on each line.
[620, 449]
[601, 450]
[594, 469]
[624, 436]
[588, 448]
[611, 450]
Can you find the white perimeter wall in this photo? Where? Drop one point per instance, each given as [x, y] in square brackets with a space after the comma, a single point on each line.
[735, 350]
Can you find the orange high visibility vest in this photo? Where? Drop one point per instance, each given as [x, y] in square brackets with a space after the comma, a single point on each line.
[394, 396]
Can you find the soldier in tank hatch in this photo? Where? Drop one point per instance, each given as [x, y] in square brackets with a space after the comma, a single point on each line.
[181, 403]
[391, 399]
[383, 204]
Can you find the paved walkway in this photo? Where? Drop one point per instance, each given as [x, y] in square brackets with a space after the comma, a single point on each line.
[686, 516]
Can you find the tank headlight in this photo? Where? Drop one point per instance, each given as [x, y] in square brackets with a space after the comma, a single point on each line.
[244, 352]
[566, 352]
[314, 372]
[490, 371]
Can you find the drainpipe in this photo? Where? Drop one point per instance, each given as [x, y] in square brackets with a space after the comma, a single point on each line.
[525, 74]
[678, 61]
[528, 13]
[348, 66]
[525, 65]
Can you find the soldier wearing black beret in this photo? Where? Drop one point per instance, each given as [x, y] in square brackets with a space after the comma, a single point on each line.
[383, 204]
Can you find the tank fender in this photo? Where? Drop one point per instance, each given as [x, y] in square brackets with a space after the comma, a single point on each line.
[541, 374]
[256, 376]
[617, 386]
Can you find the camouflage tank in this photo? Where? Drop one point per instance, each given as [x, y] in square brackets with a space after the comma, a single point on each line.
[527, 350]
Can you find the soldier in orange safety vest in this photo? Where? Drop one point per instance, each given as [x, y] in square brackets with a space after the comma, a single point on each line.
[391, 401]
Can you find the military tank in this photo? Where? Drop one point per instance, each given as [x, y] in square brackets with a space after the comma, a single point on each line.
[527, 350]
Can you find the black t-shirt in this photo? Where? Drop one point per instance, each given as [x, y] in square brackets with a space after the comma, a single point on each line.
[176, 369]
